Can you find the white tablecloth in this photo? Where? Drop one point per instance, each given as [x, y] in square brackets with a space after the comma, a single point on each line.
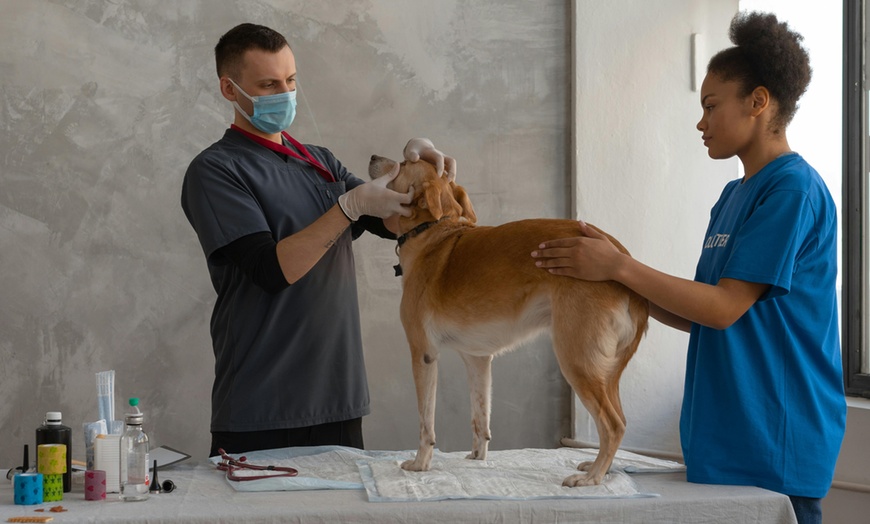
[204, 495]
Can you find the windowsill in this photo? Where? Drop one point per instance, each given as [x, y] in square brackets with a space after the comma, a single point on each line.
[858, 403]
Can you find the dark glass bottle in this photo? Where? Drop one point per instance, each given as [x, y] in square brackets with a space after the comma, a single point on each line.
[53, 432]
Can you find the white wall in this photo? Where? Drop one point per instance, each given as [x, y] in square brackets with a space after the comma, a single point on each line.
[849, 501]
[643, 173]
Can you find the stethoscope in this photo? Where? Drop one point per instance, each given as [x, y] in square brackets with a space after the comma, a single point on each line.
[20, 469]
[231, 465]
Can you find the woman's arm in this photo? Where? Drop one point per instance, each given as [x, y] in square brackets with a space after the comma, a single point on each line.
[669, 319]
[594, 257]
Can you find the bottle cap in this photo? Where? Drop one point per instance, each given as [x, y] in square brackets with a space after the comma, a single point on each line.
[134, 417]
[52, 418]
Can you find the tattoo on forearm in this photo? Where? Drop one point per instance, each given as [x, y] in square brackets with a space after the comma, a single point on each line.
[333, 240]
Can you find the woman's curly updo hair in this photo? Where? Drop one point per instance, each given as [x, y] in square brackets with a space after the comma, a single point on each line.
[766, 53]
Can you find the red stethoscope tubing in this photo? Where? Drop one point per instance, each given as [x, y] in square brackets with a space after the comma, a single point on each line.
[305, 156]
[231, 465]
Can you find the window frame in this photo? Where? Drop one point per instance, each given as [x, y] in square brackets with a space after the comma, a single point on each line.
[856, 204]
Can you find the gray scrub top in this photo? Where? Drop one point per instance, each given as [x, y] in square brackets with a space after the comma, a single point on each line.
[294, 358]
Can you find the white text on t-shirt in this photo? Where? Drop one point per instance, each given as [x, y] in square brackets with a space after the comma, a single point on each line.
[716, 241]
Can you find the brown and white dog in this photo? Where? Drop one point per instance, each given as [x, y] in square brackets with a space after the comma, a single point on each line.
[476, 289]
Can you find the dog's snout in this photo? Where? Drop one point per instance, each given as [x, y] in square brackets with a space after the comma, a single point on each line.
[379, 166]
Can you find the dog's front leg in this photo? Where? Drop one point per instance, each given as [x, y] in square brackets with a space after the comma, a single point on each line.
[425, 366]
[480, 385]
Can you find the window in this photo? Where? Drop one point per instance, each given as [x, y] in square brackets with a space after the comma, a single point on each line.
[856, 202]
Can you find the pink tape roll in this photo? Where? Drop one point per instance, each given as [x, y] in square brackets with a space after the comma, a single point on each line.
[95, 484]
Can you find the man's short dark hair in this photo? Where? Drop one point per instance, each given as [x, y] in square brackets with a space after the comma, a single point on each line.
[231, 47]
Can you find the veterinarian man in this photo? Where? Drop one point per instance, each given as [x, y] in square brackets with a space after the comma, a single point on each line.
[275, 219]
[764, 402]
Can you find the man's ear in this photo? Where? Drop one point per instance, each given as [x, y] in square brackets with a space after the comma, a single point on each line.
[432, 200]
[228, 90]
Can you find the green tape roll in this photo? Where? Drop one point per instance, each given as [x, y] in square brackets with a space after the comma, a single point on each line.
[52, 487]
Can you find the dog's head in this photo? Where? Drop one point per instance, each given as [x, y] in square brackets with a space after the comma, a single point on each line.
[434, 197]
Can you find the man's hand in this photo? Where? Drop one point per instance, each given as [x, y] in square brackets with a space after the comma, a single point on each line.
[418, 148]
[374, 199]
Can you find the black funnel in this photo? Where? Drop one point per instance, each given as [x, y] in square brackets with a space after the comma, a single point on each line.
[155, 484]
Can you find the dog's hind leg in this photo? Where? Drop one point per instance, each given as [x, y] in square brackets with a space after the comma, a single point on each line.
[605, 406]
[480, 386]
[425, 366]
[586, 345]
[611, 428]
[609, 416]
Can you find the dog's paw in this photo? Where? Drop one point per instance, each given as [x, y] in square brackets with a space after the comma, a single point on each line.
[584, 466]
[476, 455]
[412, 465]
[576, 481]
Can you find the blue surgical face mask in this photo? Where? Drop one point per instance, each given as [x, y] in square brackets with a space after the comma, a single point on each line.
[272, 113]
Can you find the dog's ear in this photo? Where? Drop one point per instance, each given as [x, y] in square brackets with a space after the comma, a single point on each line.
[462, 198]
[432, 200]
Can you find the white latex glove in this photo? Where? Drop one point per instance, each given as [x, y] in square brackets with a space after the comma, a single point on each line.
[418, 148]
[374, 199]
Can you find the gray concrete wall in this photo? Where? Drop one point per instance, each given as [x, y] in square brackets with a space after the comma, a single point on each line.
[102, 106]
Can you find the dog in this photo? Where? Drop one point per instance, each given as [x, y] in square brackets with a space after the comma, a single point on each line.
[475, 289]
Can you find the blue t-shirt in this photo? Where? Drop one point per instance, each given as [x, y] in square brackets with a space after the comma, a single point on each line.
[764, 402]
[293, 358]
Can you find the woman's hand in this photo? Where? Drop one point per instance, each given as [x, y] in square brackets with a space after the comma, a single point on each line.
[588, 257]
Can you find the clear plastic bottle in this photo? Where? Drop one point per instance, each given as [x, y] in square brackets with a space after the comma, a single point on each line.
[134, 456]
[53, 432]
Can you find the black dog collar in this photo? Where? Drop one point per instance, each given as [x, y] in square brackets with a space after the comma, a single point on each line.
[417, 230]
[411, 234]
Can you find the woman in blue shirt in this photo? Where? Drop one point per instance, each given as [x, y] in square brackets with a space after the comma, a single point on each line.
[763, 401]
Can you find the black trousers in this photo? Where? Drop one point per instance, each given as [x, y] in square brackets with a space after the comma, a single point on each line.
[345, 433]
